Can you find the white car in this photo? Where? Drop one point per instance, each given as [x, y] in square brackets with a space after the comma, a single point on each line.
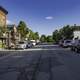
[33, 42]
[21, 45]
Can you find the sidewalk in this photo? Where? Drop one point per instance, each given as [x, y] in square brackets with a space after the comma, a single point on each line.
[30, 49]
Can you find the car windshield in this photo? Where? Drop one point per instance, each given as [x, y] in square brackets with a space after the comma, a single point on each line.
[21, 42]
[68, 41]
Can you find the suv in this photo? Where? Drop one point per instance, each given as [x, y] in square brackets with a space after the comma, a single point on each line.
[66, 43]
[75, 45]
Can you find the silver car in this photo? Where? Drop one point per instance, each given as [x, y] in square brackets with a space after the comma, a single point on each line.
[67, 43]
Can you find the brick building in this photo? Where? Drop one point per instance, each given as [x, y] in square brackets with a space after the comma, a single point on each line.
[3, 14]
[10, 35]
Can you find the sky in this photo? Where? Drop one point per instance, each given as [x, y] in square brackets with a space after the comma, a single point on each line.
[43, 16]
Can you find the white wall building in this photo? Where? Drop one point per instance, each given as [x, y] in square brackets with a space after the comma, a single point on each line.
[76, 34]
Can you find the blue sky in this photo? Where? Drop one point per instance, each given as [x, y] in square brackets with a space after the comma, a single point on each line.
[43, 16]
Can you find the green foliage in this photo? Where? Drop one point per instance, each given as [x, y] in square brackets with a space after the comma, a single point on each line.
[3, 30]
[67, 32]
[56, 36]
[36, 35]
[43, 38]
[49, 39]
[64, 33]
[22, 29]
[31, 36]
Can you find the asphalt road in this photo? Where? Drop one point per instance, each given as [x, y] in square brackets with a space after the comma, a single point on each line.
[44, 62]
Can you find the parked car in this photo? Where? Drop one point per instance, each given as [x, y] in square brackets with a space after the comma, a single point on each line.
[29, 45]
[21, 45]
[75, 45]
[33, 42]
[65, 43]
[61, 43]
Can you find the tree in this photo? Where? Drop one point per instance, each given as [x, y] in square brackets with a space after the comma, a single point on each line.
[49, 39]
[36, 35]
[31, 35]
[56, 36]
[43, 38]
[22, 29]
[3, 30]
[67, 32]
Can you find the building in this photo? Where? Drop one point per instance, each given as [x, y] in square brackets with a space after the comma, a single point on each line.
[3, 19]
[14, 35]
[10, 35]
[76, 35]
[3, 14]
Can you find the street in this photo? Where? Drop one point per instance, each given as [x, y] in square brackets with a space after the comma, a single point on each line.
[44, 62]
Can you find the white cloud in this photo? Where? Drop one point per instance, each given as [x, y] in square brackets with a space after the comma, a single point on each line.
[49, 17]
[9, 22]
